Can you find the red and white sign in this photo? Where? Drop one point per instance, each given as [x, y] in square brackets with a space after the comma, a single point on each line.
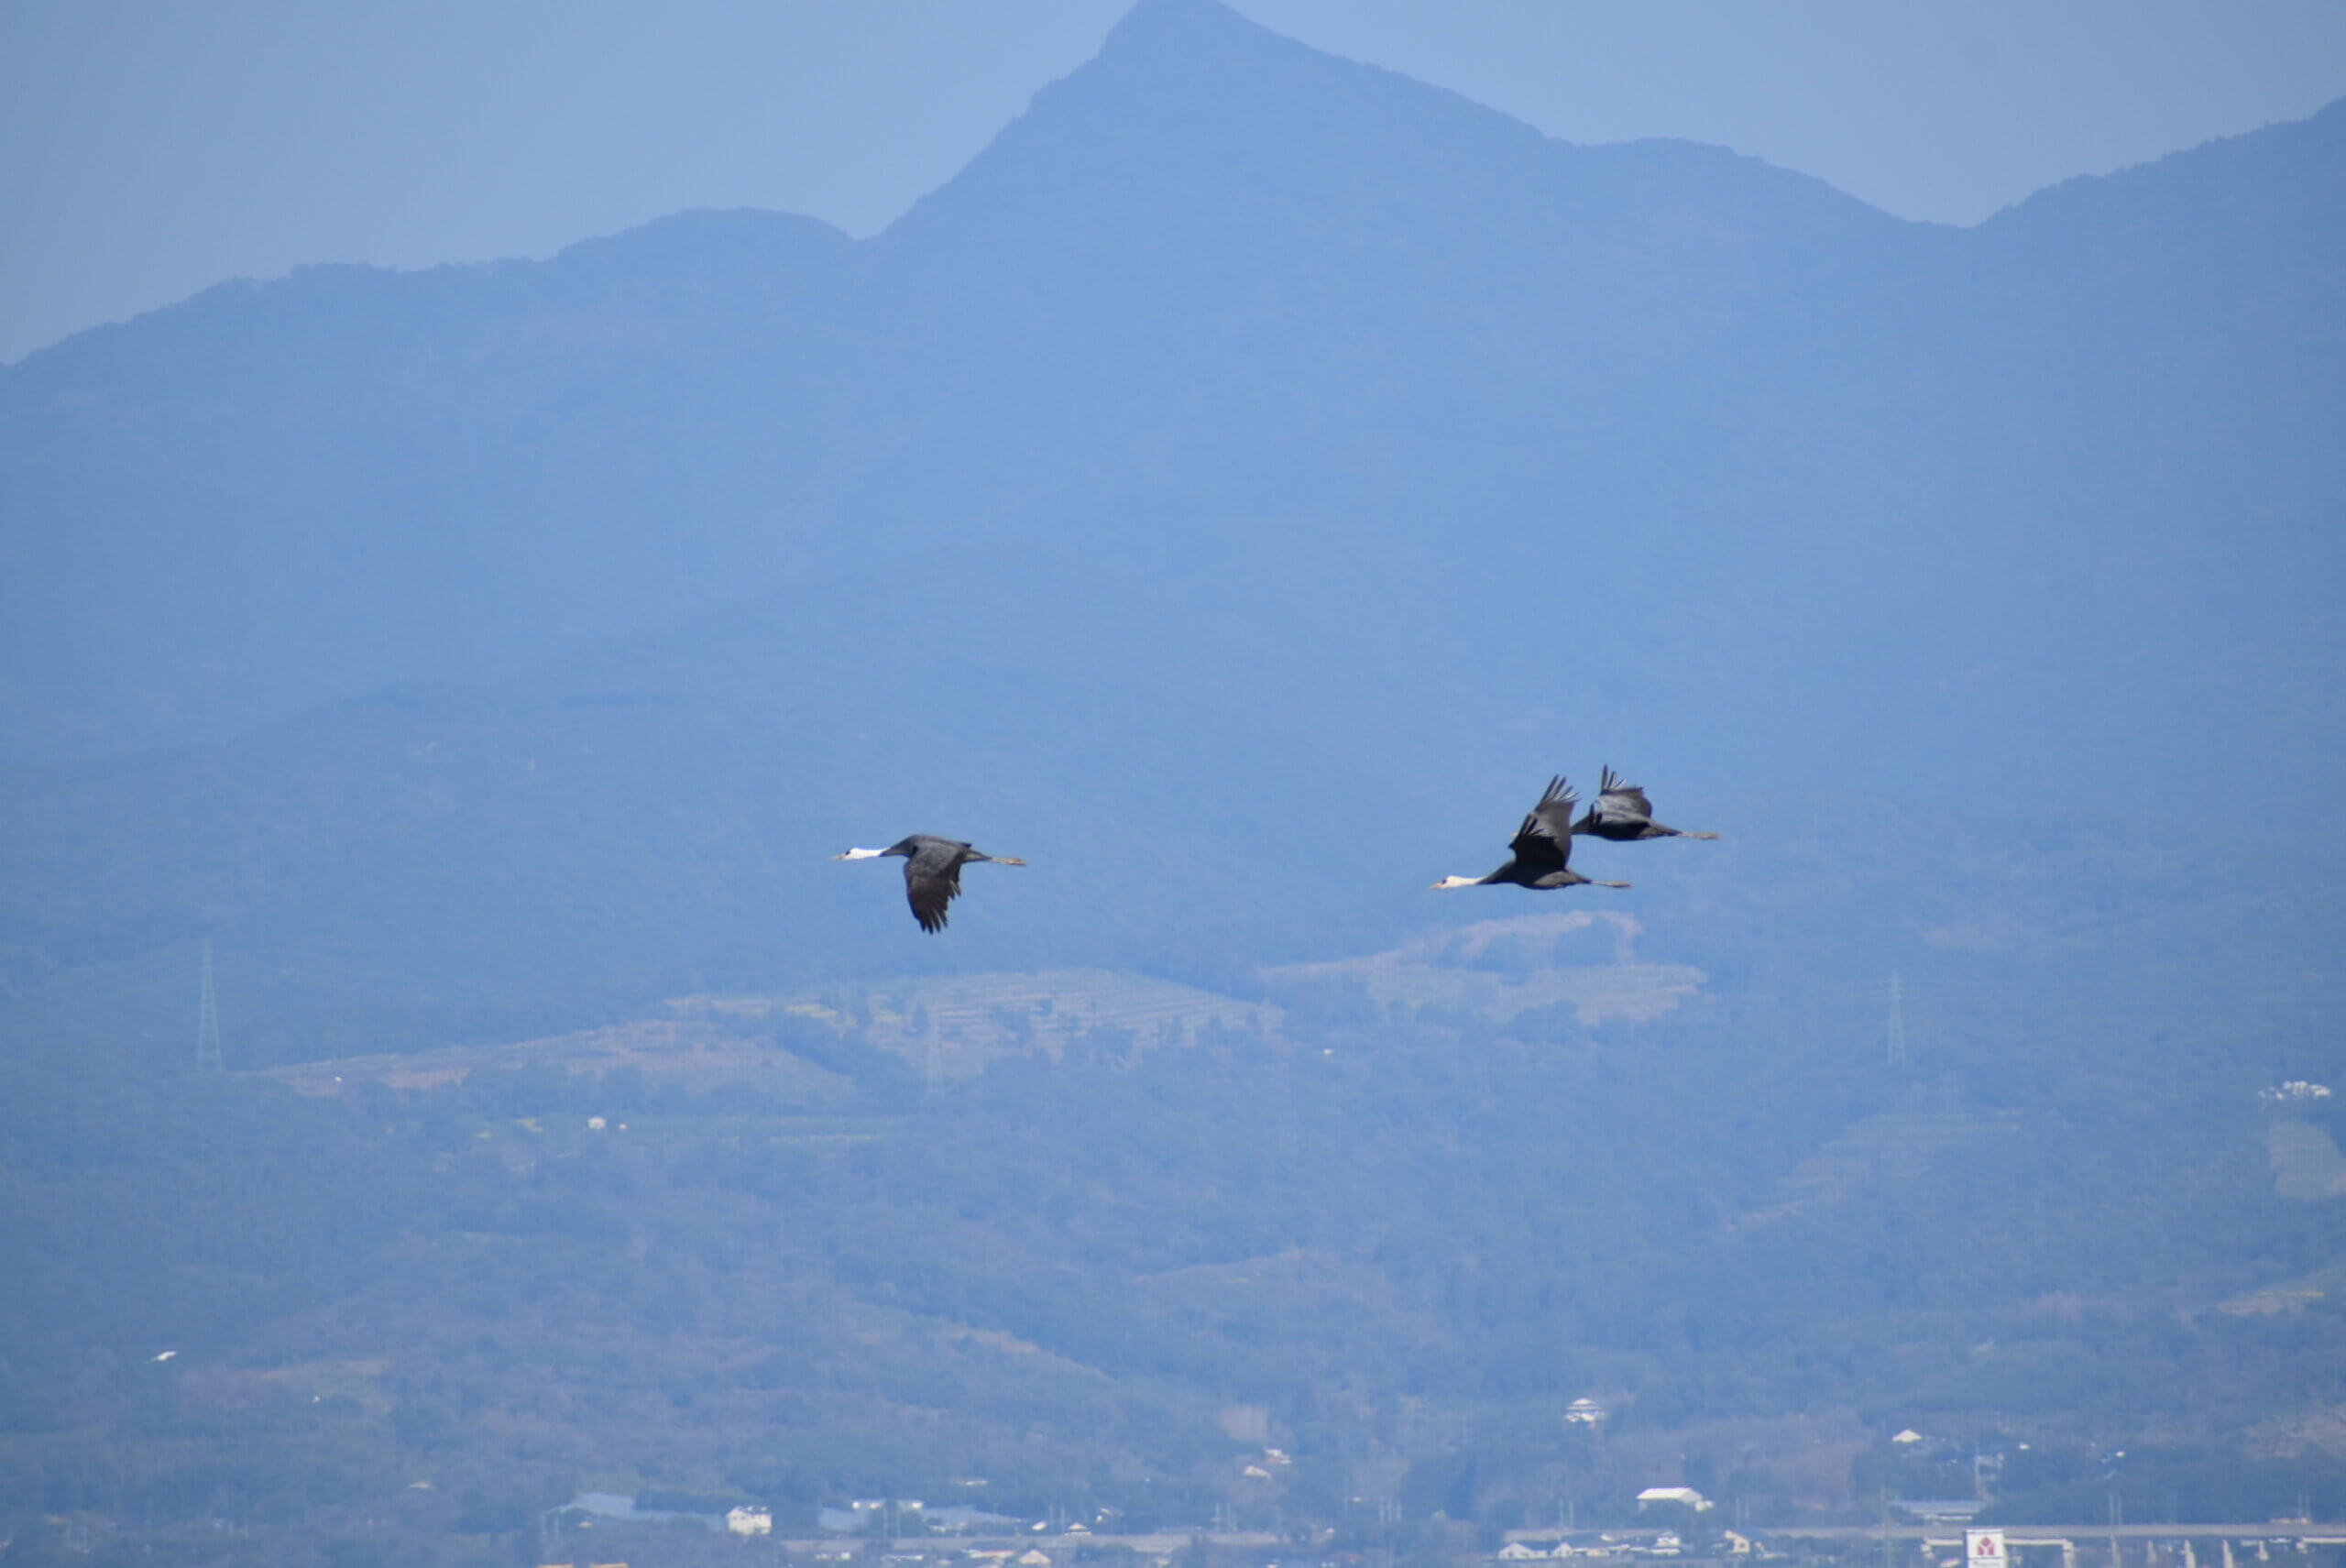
[1984, 1549]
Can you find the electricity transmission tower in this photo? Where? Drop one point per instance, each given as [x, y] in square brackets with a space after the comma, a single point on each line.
[1897, 1042]
[207, 1018]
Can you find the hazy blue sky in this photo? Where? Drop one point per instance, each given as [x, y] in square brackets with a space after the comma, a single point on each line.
[149, 148]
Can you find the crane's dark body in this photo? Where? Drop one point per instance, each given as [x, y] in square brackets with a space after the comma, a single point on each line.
[1623, 814]
[932, 874]
[1543, 846]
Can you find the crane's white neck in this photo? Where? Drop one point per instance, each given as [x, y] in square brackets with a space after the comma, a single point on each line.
[860, 855]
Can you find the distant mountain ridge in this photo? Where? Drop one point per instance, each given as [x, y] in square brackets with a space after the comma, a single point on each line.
[1244, 430]
[366, 477]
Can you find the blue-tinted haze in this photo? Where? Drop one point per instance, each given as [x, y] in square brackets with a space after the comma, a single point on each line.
[1235, 492]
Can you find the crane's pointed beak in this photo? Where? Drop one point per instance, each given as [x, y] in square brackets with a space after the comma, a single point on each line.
[1008, 860]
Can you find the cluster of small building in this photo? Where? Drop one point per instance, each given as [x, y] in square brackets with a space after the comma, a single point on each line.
[1267, 1467]
[978, 1554]
[1622, 1543]
[910, 1516]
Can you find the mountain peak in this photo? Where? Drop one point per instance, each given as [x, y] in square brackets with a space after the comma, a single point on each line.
[1192, 110]
[1158, 24]
[1169, 45]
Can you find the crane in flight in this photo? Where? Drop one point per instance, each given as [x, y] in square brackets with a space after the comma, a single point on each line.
[932, 871]
[1623, 814]
[1542, 846]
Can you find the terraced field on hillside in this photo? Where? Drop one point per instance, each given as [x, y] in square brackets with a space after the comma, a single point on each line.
[954, 1024]
[696, 1052]
[1499, 969]
[1893, 1145]
[950, 1027]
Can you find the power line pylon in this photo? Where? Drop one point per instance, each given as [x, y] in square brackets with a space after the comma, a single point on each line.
[207, 1018]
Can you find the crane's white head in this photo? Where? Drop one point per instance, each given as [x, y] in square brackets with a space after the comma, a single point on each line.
[1458, 882]
[860, 855]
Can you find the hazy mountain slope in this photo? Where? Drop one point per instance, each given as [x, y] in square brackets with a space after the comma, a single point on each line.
[278, 494]
[1248, 446]
[434, 474]
[1215, 284]
[1211, 245]
[487, 863]
[2126, 503]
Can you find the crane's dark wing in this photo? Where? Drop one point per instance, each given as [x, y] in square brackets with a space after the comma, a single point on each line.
[932, 881]
[1619, 800]
[1544, 843]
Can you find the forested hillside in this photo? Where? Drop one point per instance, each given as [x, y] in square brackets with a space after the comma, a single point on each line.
[792, 1268]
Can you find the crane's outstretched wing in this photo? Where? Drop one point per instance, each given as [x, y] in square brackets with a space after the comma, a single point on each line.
[1545, 839]
[932, 881]
[1619, 800]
